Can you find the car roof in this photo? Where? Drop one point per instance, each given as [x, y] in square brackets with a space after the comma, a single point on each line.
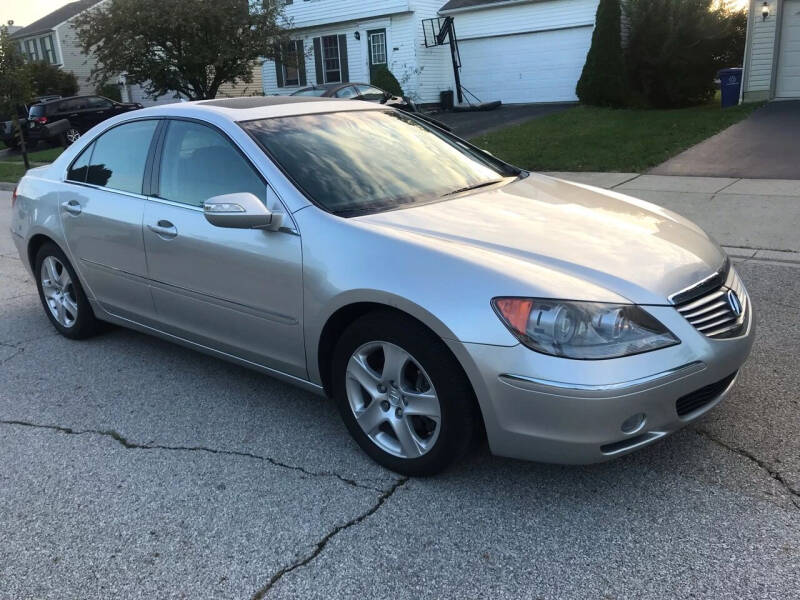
[253, 107]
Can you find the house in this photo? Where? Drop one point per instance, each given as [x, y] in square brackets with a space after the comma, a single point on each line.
[511, 50]
[772, 51]
[53, 39]
[522, 50]
[346, 40]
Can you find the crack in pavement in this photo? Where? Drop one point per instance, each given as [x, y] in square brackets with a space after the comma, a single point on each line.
[320, 546]
[134, 446]
[794, 495]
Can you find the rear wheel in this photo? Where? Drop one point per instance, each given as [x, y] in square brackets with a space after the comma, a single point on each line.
[61, 294]
[402, 395]
[71, 136]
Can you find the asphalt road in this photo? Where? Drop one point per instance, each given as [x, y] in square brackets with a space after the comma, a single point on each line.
[133, 468]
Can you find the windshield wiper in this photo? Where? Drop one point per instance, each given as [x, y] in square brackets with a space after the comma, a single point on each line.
[472, 187]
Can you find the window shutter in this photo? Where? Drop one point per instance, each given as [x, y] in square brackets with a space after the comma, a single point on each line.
[318, 60]
[301, 63]
[343, 58]
[279, 67]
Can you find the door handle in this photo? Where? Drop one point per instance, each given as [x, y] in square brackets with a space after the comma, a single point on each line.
[164, 229]
[73, 207]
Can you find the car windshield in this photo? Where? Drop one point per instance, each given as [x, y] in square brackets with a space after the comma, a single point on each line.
[353, 163]
[309, 92]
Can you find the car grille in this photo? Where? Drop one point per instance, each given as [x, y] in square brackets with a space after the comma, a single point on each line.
[698, 399]
[712, 313]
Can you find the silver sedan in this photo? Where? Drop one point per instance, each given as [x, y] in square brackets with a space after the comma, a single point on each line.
[435, 292]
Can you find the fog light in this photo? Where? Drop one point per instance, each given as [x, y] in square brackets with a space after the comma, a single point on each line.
[634, 423]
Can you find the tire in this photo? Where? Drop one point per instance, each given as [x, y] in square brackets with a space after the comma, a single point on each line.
[63, 298]
[403, 393]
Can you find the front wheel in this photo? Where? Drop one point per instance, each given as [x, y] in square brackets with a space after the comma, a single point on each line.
[402, 394]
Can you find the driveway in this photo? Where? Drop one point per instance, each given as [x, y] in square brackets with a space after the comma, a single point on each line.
[766, 145]
[472, 124]
[134, 468]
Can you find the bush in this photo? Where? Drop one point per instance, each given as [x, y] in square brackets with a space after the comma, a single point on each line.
[676, 47]
[603, 81]
[50, 80]
[110, 91]
[384, 79]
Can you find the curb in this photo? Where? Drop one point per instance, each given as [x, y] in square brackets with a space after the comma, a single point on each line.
[7, 187]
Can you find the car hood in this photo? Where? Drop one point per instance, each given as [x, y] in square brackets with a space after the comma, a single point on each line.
[627, 246]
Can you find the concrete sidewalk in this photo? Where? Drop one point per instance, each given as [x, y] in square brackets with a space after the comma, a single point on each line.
[760, 218]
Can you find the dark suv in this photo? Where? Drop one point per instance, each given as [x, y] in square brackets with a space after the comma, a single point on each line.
[82, 112]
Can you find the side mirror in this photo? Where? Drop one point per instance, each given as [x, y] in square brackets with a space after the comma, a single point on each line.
[242, 210]
[386, 97]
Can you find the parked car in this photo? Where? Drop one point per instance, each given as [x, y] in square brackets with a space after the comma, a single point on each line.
[7, 133]
[82, 112]
[368, 93]
[431, 289]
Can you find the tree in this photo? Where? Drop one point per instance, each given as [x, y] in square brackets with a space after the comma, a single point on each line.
[385, 79]
[186, 46]
[676, 47]
[603, 81]
[15, 85]
[48, 80]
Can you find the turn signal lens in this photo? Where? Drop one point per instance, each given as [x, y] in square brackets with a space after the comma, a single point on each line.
[14, 197]
[582, 330]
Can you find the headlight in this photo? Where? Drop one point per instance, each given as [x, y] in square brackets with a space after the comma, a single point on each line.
[582, 330]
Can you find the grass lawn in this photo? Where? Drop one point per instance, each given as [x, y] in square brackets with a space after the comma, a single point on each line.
[44, 156]
[587, 138]
[11, 172]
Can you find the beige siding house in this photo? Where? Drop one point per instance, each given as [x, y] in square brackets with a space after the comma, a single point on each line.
[772, 53]
[53, 39]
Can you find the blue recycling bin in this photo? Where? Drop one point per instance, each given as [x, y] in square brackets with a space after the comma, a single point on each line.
[730, 84]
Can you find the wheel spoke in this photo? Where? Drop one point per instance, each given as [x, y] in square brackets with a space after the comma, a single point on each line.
[64, 279]
[357, 369]
[62, 318]
[425, 404]
[406, 437]
[52, 271]
[394, 359]
[71, 307]
[371, 417]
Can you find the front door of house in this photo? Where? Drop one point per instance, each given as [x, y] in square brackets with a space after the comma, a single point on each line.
[376, 43]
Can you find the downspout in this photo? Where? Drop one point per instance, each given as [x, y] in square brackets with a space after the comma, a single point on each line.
[746, 59]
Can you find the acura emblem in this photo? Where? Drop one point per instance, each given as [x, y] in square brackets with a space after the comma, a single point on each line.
[734, 303]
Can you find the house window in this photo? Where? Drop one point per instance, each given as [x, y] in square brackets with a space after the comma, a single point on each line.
[331, 59]
[32, 50]
[48, 52]
[291, 64]
[377, 42]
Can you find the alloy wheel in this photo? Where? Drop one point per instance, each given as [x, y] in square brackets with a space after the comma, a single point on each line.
[59, 292]
[73, 135]
[393, 399]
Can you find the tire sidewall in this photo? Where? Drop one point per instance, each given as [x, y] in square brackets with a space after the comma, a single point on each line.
[455, 396]
[86, 324]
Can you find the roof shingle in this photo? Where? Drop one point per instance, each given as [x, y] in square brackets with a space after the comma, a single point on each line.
[48, 22]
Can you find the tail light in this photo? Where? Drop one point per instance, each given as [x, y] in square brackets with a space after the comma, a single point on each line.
[41, 120]
[14, 197]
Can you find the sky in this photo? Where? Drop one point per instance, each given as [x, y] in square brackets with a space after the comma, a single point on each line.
[25, 12]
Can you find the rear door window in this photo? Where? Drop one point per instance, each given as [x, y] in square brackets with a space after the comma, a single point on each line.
[119, 156]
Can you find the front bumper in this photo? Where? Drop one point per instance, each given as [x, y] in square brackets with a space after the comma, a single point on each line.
[543, 408]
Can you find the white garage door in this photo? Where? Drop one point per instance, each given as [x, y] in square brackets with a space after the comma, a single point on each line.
[788, 80]
[529, 67]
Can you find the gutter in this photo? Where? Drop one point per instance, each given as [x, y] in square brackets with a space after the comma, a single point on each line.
[488, 5]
